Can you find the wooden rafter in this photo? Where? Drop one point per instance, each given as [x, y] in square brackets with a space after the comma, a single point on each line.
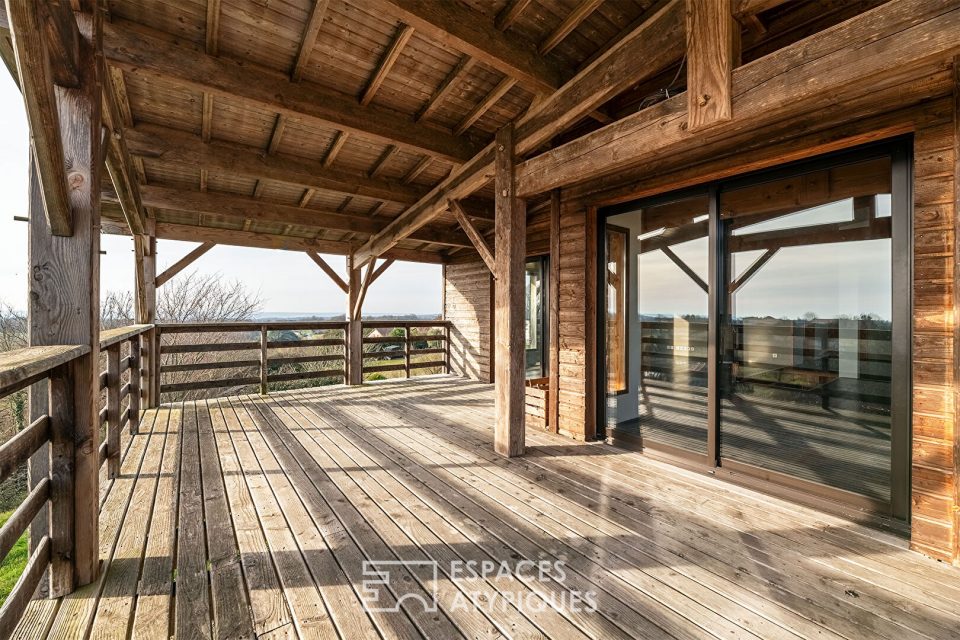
[206, 117]
[247, 208]
[509, 14]
[119, 162]
[39, 94]
[327, 269]
[183, 263]
[155, 54]
[446, 87]
[245, 238]
[569, 24]
[183, 149]
[658, 41]
[455, 25]
[488, 101]
[419, 168]
[475, 236]
[335, 148]
[382, 161]
[309, 38]
[390, 57]
[212, 36]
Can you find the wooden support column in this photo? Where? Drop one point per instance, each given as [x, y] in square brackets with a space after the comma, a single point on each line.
[710, 54]
[510, 253]
[65, 309]
[956, 312]
[145, 303]
[354, 326]
[553, 284]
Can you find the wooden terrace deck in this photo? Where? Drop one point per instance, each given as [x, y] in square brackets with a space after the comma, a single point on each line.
[251, 517]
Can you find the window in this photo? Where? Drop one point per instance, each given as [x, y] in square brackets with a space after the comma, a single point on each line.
[616, 309]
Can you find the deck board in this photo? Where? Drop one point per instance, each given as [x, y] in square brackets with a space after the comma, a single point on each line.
[252, 517]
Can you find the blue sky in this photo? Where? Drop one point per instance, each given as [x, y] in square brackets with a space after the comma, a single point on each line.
[287, 281]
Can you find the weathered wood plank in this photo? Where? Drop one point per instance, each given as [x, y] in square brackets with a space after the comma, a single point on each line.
[183, 263]
[710, 41]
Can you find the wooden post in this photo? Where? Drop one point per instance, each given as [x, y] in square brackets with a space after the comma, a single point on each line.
[134, 424]
[113, 410]
[553, 283]
[145, 275]
[956, 312]
[710, 54]
[446, 347]
[510, 251]
[406, 349]
[263, 360]
[60, 408]
[354, 326]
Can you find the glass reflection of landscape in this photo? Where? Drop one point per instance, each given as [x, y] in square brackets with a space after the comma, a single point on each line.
[805, 338]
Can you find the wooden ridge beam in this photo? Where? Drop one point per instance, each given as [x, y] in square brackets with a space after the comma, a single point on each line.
[457, 26]
[309, 38]
[177, 147]
[479, 242]
[146, 52]
[888, 43]
[658, 41]
[257, 240]
[40, 97]
[327, 269]
[183, 263]
[248, 208]
[390, 57]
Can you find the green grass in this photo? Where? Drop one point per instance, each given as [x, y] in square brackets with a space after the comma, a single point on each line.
[13, 564]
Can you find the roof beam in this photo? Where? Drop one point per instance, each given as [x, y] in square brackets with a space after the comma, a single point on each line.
[457, 26]
[247, 208]
[150, 53]
[177, 147]
[846, 61]
[253, 239]
[710, 42]
[183, 263]
[212, 36]
[390, 57]
[488, 101]
[446, 87]
[309, 38]
[40, 97]
[569, 24]
[658, 42]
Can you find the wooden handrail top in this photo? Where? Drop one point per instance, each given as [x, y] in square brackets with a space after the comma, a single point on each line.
[392, 324]
[22, 367]
[213, 327]
[114, 336]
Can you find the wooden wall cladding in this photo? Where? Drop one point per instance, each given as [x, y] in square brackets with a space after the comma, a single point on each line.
[468, 291]
[934, 466]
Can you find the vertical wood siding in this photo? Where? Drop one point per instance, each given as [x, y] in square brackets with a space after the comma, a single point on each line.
[467, 306]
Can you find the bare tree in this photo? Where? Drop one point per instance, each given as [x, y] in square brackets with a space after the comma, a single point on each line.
[116, 310]
[205, 298]
[13, 328]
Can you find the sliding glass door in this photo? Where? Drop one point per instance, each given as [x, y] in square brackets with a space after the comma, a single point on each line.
[788, 361]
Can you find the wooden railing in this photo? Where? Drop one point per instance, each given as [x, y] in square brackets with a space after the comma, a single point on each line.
[318, 351]
[380, 348]
[20, 369]
[113, 344]
[326, 353]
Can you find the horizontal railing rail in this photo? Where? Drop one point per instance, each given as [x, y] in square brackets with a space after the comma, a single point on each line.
[114, 415]
[18, 370]
[225, 352]
[405, 337]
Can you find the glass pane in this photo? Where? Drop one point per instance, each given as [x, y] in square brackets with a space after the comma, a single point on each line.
[534, 324]
[662, 397]
[807, 330]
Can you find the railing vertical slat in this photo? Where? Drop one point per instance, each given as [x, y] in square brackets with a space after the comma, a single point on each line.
[61, 411]
[263, 360]
[446, 347]
[113, 410]
[406, 350]
[156, 354]
[134, 419]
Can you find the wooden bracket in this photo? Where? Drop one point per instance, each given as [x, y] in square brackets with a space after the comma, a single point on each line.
[475, 237]
[183, 263]
[327, 269]
[365, 284]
